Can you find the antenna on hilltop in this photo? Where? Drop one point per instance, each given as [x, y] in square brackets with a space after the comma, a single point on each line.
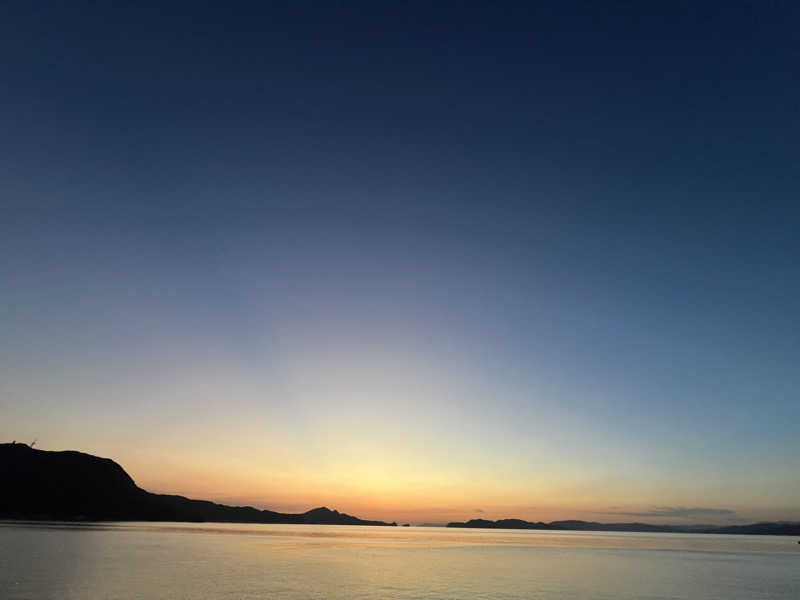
[33, 443]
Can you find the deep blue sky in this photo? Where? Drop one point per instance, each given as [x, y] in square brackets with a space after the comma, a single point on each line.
[558, 243]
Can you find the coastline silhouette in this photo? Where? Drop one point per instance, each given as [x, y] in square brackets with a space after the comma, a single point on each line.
[74, 486]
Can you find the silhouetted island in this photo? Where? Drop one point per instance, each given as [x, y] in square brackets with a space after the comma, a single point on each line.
[769, 528]
[69, 485]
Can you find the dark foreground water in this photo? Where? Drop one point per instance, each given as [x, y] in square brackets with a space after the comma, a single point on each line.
[190, 561]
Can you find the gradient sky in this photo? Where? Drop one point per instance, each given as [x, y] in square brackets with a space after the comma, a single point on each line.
[412, 262]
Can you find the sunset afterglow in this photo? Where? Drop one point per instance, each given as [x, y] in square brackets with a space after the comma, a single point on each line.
[515, 268]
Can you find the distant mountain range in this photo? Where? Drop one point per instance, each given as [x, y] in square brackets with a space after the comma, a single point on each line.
[770, 528]
[68, 485]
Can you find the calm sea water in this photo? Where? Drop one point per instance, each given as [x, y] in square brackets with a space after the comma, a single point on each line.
[231, 561]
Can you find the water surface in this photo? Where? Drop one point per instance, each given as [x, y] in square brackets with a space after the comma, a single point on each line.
[240, 561]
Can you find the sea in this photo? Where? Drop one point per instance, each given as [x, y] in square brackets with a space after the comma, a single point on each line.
[202, 561]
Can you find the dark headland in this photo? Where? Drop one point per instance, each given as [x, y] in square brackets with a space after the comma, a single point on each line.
[769, 528]
[68, 486]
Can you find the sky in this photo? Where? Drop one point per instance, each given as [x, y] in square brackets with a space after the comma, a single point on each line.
[415, 261]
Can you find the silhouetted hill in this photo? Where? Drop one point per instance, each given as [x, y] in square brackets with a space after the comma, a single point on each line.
[775, 528]
[38, 484]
